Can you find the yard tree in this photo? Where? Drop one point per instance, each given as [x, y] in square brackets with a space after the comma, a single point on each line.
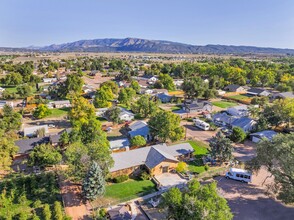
[13, 79]
[46, 212]
[7, 150]
[103, 96]
[126, 95]
[94, 183]
[261, 101]
[58, 215]
[221, 148]
[135, 86]
[182, 167]
[44, 155]
[113, 114]
[167, 81]
[198, 202]
[165, 126]
[238, 135]
[74, 83]
[145, 106]
[194, 87]
[277, 157]
[41, 111]
[209, 93]
[64, 138]
[138, 141]
[9, 119]
[112, 85]
[24, 90]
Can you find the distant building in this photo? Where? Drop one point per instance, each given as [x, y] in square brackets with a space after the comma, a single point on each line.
[234, 88]
[258, 92]
[32, 131]
[191, 106]
[49, 80]
[119, 144]
[59, 104]
[139, 128]
[266, 134]
[126, 115]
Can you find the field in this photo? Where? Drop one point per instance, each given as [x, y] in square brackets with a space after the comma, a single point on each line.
[224, 104]
[201, 150]
[23, 196]
[130, 189]
[58, 112]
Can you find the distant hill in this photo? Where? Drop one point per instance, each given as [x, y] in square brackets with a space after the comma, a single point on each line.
[154, 46]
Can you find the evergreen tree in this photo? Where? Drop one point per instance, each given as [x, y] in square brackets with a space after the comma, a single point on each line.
[58, 211]
[46, 212]
[94, 183]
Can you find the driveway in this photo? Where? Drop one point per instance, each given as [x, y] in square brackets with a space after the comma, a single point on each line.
[168, 180]
[250, 202]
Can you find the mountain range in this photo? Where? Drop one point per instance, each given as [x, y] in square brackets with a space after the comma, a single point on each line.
[151, 46]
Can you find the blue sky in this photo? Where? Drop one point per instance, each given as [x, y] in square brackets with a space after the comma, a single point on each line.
[268, 23]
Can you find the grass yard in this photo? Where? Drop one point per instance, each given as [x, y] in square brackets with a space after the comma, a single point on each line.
[22, 196]
[224, 104]
[176, 108]
[58, 112]
[130, 189]
[201, 149]
[239, 97]
[10, 89]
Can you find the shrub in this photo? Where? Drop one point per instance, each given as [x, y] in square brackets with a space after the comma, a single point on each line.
[206, 167]
[121, 178]
[238, 135]
[182, 167]
[138, 141]
[145, 176]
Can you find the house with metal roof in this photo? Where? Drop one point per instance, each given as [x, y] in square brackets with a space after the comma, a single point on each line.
[155, 159]
[119, 144]
[266, 134]
[245, 123]
[196, 106]
[139, 128]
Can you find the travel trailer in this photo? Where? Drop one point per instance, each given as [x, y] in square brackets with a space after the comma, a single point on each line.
[201, 124]
[239, 174]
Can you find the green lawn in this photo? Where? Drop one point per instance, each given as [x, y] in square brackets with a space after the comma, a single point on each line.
[224, 104]
[58, 112]
[130, 189]
[201, 149]
[10, 89]
[239, 97]
[176, 108]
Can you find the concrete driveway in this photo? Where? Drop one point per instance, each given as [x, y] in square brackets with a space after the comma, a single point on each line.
[249, 202]
[169, 179]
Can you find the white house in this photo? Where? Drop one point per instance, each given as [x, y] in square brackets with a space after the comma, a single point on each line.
[2, 89]
[119, 144]
[100, 112]
[59, 104]
[126, 115]
[49, 80]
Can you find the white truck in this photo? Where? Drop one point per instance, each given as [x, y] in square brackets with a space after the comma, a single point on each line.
[239, 174]
[201, 124]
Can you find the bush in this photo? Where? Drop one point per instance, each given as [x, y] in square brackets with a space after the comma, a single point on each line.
[238, 135]
[121, 178]
[138, 141]
[182, 167]
[206, 167]
[145, 176]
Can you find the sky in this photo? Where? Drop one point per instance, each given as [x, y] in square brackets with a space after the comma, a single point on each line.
[266, 23]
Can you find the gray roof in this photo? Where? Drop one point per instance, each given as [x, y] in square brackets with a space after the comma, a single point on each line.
[124, 111]
[164, 97]
[224, 117]
[232, 87]
[139, 128]
[137, 157]
[257, 91]
[268, 134]
[156, 156]
[240, 110]
[119, 143]
[27, 145]
[196, 104]
[287, 94]
[61, 102]
[33, 130]
[242, 122]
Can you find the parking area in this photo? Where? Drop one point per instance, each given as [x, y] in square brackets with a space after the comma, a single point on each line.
[250, 202]
[168, 180]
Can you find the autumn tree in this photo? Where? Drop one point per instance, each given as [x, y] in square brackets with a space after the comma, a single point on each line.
[41, 111]
[165, 126]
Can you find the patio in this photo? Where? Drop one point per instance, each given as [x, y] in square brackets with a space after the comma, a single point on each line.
[168, 180]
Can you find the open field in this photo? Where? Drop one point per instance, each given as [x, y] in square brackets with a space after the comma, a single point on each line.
[224, 104]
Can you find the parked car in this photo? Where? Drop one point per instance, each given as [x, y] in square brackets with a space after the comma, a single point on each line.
[51, 126]
[239, 174]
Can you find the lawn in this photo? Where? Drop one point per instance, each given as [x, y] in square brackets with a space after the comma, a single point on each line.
[27, 195]
[239, 97]
[201, 149]
[130, 189]
[176, 108]
[58, 112]
[10, 89]
[224, 104]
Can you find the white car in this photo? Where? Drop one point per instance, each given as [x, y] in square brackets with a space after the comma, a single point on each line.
[51, 126]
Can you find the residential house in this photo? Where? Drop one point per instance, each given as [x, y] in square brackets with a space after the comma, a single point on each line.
[87, 89]
[49, 80]
[258, 92]
[126, 115]
[164, 98]
[59, 104]
[156, 159]
[223, 119]
[245, 123]
[143, 83]
[266, 134]
[118, 144]
[284, 95]
[3, 102]
[234, 88]
[150, 79]
[157, 91]
[100, 112]
[32, 131]
[191, 106]
[139, 128]
[239, 111]
[178, 83]
[27, 145]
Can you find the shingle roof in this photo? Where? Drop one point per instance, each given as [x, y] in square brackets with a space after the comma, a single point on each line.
[28, 144]
[32, 130]
[242, 122]
[268, 134]
[156, 156]
[119, 143]
[132, 158]
[139, 128]
[232, 87]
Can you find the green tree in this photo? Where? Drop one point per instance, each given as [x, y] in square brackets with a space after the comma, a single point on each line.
[238, 135]
[94, 183]
[46, 212]
[24, 90]
[7, 150]
[165, 126]
[10, 120]
[135, 86]
[112, 114]
[221, 148]
[181, 167]
[44, 155]
[13, 79]
[41, 111]
[145, 106]
[167, 81]
[138, 141]
[277, 157]
[64, 138]
[58, 215]
[103, 97]
[198, 202]
[112, 85]
[73, 83]
[126, 95]
[194, 87]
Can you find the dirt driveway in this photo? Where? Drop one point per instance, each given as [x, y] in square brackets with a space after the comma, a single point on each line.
[249, 201]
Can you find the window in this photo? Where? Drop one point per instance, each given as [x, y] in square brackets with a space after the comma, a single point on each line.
[241, 176]
[237, 175]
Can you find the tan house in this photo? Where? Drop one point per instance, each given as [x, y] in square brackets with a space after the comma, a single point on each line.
[156, 159]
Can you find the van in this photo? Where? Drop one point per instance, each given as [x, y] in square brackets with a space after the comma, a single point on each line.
[239, 174]
[201, 124]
